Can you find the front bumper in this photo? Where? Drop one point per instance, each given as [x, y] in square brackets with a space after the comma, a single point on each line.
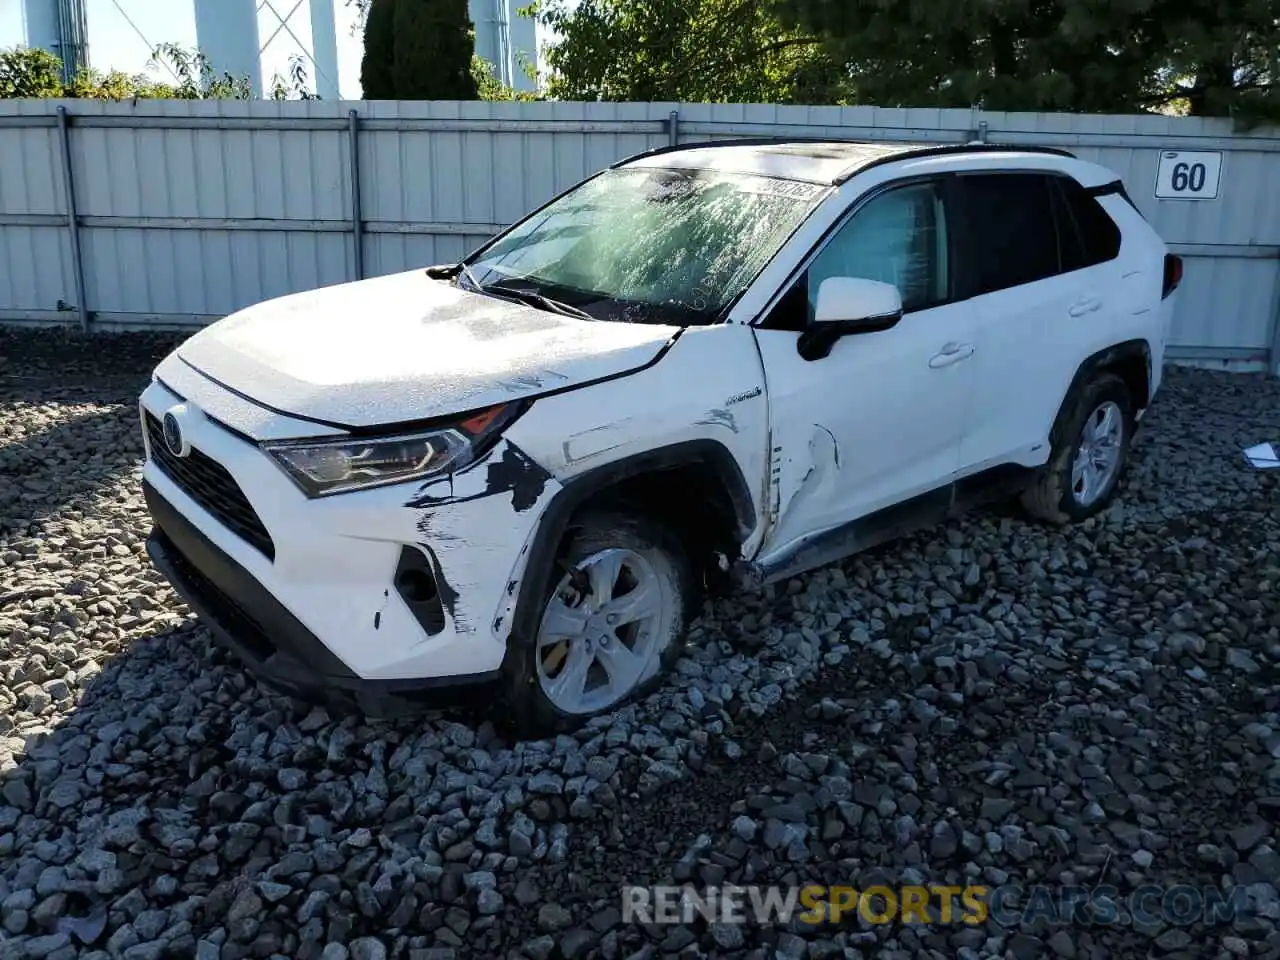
[246, 619]
[400, 588]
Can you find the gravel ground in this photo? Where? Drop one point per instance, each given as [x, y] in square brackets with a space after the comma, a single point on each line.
[988, 702]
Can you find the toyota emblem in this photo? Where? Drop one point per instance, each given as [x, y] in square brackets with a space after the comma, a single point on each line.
[173, 438]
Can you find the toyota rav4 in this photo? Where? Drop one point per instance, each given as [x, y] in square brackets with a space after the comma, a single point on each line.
[709, 365]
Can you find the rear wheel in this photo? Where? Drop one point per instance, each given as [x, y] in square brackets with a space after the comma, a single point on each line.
[612, 623]
[1090, 450]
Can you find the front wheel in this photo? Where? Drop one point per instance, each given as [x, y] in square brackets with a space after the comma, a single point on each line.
[1088, 456]
[613, 621]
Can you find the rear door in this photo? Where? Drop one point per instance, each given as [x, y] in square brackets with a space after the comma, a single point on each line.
[1041, 266]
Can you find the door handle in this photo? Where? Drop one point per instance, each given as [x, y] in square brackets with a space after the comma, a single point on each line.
[1084, 305]
[951, 353]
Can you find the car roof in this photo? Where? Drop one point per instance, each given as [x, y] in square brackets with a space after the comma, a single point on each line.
[827, 162]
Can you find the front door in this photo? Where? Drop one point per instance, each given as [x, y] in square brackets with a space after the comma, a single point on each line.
[880, 419]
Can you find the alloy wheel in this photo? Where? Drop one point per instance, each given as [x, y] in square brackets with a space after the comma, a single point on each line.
[1097, 459]
[603, 629]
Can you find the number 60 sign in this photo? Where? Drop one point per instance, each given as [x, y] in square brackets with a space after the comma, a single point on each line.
[1188, 175]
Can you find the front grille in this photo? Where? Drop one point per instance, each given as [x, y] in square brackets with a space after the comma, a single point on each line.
[208, 483]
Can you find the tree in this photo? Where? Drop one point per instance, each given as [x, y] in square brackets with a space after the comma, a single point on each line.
[379, 50]
[433, 50]
[418, 50]
[1219, 57]
[1106, 56]
[29, 73]
[693, 50]
[1002, 54]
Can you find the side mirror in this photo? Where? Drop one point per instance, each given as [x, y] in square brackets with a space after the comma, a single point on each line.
[848, 305]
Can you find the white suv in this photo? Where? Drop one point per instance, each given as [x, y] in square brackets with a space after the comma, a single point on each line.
[741, 358]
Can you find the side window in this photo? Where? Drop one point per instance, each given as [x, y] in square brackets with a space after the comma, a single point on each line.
[1015, 240]
[899, 237]
[1089, 235]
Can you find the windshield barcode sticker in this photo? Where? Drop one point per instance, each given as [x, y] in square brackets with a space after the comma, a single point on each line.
[771, 187]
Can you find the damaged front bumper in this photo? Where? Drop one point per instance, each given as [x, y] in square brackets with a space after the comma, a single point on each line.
[246, 619]
[402, 589]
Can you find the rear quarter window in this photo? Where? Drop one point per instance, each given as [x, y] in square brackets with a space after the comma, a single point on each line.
[1087, 233]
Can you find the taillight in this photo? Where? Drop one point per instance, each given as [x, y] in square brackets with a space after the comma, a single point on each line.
[1172, 273]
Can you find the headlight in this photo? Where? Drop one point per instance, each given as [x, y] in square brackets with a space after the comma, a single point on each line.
[323, 467]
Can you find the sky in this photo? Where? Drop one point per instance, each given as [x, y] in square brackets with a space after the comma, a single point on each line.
[116, 43]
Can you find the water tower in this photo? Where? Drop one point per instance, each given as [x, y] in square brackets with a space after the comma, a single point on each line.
[227, 33]
[504, 38]
[59, 26]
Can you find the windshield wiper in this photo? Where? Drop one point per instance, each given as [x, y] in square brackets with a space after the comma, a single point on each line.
[452, 271]
[465, 271]
[531, 297]
[536, 299]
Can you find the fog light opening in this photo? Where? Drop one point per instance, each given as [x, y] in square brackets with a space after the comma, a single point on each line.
[416, 586]
[415, 582]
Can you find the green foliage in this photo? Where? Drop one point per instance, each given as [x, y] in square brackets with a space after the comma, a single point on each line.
[379, 50]
[1218, 57]
[1108, 56]
[489, 87]
[1204, 57]
[433, 50]
[295, 86]
[195, 76]
[29, 73]
[418, 50]
[693, 50]
[36, 73]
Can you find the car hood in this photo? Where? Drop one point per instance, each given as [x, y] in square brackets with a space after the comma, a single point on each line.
[407, 347]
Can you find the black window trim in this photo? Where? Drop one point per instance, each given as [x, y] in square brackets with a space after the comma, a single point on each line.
[945, 182]
[1093, 193]
[970, 223]
[1115, 188]
[1062, 211]
[1107, 189]
[958, 225]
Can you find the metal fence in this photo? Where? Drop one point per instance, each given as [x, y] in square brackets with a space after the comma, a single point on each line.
[175, 213]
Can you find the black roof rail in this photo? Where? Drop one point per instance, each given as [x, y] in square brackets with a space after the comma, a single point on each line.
[910, 151]
[737, 142]
[949, 149]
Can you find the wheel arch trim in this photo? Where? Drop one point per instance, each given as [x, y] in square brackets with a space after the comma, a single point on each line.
[1107, 357]
[555, 521]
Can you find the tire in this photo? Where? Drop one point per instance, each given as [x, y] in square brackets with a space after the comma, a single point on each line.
[1053, 496]
[538, 684]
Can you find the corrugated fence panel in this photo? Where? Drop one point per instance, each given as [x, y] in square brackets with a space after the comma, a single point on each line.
[147, 178]
[1226, 303]
[432, 195]
[188, 210]
[35, 260]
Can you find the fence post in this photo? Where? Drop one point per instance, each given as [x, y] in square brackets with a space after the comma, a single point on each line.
[1273, 358]
[673, 128]
[73, 220]
[357, 220]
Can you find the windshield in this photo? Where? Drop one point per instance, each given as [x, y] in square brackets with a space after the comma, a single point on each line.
[650, 244]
